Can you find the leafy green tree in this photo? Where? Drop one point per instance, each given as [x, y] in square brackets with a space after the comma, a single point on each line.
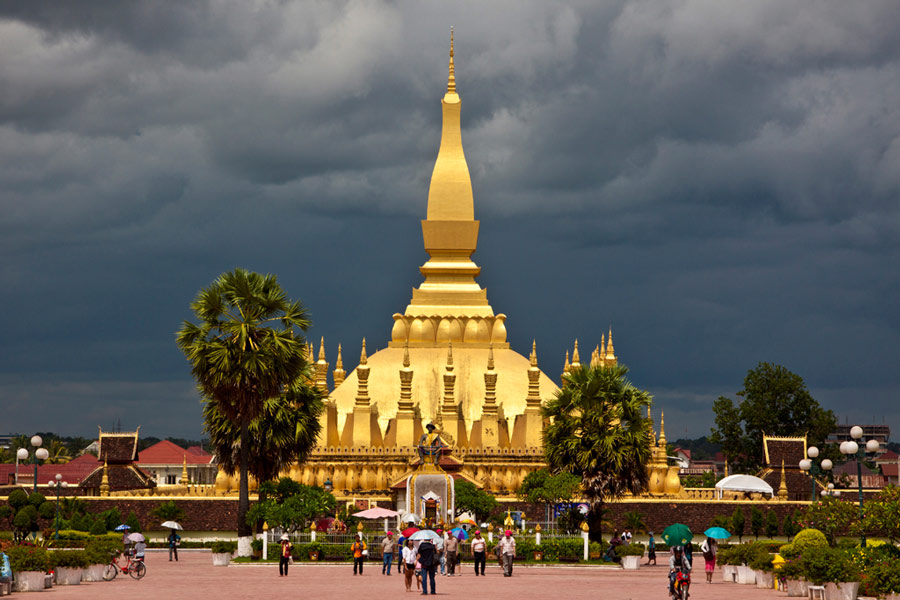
[831, 516]
[737, 524]
[569, 521]
[290, 505]
[25, 522]
[98, 528]
[132, 521]
[598, 432]
[774, 401]
[882, 514]
[112, 518]
[541, 486]
[247, 348]
[771, 524]
[723, 521]
[635, 522]
[757, 521]
[168, 511]
[474, 500]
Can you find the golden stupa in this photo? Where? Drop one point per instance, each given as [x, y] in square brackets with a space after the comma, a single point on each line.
[447, 363]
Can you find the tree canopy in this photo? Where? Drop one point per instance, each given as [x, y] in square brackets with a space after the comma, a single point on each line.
[542, 486]
[471, 499]
[290, 505]
[773, 401]
[599, 432]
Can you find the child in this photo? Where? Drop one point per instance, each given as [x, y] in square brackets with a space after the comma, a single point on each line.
[418, 575]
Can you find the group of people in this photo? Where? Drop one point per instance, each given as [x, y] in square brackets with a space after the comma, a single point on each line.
[420, 562]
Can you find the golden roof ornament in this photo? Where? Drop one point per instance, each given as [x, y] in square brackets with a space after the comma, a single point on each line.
[662, 431]
[782, 487]
[610, 351]
[339, 373]
[184, 472]
[576, 358]
[363, 359]
[451, 77]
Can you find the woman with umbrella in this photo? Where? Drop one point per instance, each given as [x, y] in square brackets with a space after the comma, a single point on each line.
[710, 548]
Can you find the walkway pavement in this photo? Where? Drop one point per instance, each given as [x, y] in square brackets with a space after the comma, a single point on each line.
[194, 578]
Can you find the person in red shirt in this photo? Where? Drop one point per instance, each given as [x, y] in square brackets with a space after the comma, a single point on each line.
[285, 558]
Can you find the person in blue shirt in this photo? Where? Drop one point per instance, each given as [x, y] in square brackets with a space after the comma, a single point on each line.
[5, 571]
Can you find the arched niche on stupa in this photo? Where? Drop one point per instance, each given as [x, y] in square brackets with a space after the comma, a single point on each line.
[400, 331]
[449, 330]
[476, 331]
[422, 330]
[498, 333]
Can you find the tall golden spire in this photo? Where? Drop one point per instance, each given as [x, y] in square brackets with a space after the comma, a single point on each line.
[362, 374]
[610, 351]
[662, 430]
[576, 358]
[533, 400]
[782, 487]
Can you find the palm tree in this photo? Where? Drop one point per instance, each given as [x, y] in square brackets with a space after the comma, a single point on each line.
[247, 348]
[59, 453]
[284, 433]
[597, 431]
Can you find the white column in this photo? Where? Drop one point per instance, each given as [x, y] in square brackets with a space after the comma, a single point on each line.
[265, 536]
[584, 535]
[312, 535]
[537, 538]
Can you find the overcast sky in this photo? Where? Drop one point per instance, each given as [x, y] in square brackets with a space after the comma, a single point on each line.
[718, 181]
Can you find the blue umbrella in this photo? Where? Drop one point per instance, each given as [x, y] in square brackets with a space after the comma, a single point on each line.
[459, 533]
[717, 533]
[122, 527]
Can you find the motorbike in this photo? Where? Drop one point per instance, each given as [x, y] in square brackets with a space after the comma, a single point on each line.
[682, 584]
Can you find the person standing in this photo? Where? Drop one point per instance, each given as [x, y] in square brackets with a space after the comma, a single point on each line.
[709, 548]
[451, 552]
[479, 551]
[508, 552]
[440, 551]
[173, 540]
[651, 550]
[284, 558]
[408, 556]
[359, 549]
[387, 553]
[427, 557]
[5, 571]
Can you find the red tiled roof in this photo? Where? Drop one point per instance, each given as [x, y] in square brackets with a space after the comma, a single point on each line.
[72, 472]
[168, 453]
[887, 457]
[889, 469]
[199, 451]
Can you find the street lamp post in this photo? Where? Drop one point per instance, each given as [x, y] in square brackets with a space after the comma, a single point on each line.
[57, 482]
[807, 464]
[854, 449]
[40, 454]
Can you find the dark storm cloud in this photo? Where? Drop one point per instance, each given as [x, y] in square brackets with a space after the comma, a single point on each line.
[717, 181]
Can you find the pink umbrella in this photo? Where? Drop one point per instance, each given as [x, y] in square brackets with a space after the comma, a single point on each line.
[377, 513]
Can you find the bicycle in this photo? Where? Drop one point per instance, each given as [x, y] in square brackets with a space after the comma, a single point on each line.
[133, 566]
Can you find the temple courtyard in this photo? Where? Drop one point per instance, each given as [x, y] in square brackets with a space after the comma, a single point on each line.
[194, 577]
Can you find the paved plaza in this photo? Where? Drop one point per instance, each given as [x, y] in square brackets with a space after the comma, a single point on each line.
[195, 578]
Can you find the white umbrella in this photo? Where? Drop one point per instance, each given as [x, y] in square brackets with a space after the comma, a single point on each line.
[136, 537]
[171, 525]
[377, 513]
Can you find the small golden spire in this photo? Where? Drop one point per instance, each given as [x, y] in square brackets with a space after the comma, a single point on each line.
[104, 481]
[450, 356]
[184, 474]
[567, 367]
[576, 358]
[451, 79]
[726, 467]
[322, 349]
[610, 351]
[662, 430]
[363, 359]
[533, 357]
[782, 488]
[595, 357]
[339, 373]
[406, 354]
[603, 346]
[490, 364]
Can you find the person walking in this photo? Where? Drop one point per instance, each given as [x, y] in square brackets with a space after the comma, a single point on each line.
[387, 553]
[5, 570]
[479, 551]
[173, 540]
[709, 548]
[427, 557]
[451, 553]
[284, 558]
[408, 556]
[440, 551]
[359, 549]
[651, 549]
[508, 552]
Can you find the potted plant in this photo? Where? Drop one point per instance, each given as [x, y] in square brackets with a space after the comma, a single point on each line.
[69, 566]
[98, 553]
[314, 550]
[834, 569]
[538, 554]
[29, 564]
[595, 550]
[256, 545]
[741, 555]
[729, 570]
[761, 563]
[221, 553]
[631, 555]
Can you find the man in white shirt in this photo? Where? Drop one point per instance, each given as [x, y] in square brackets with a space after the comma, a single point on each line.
[479, 552]
[507, 552]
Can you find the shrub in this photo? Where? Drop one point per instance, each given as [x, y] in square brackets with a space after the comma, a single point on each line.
[629, 550]
[28, 558]
[99, 551]
[759, 558]
[17, 498]
[823, 564]
[98, 528]
[256, 545]
[223, 547]
[76, 559]
[809, 538]
[788, 552]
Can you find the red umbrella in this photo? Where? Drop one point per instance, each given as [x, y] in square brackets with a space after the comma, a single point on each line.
[409, 531]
